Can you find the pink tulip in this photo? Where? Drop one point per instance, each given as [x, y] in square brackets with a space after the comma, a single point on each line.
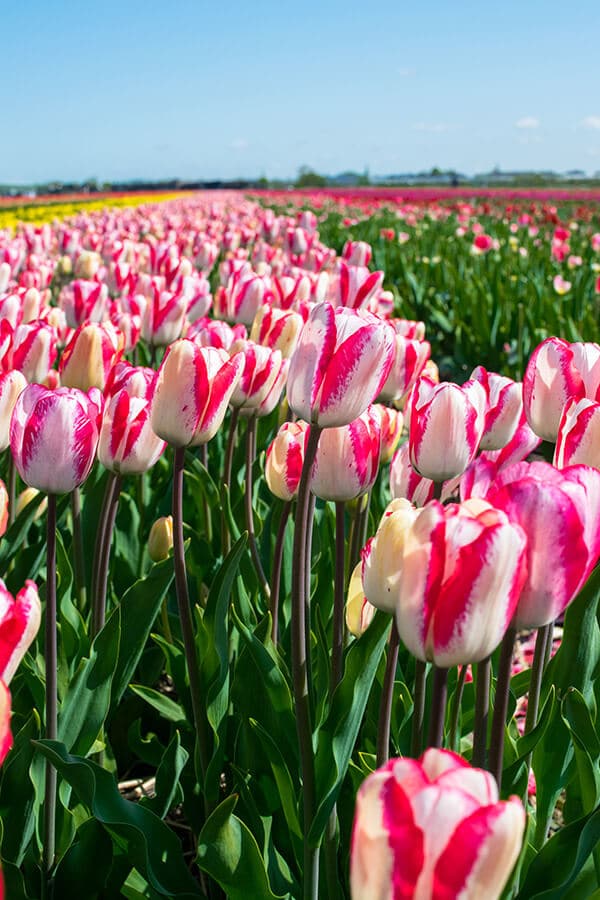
[278, 329]
[406, 483]
[357, 253]
[84, 301]
[355, 286]
[53, 436]
[504, 408]
[261, 383]
[192, 391]
[347, 458]
[559, 511]
[34, 350]
[241, 299]
[127, 444]
[290, 291]
[215, 333]
[339, 366]
[410, 358]
[284, 460]
[578, 438]
[19, 623]
[446, 426]
[458, 581]
[551, 379]
[89, 356]
[11, 385]
[433, 829]
[163, 317]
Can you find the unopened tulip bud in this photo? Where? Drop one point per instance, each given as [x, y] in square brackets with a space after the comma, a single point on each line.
[160, 540]
[26, 497]
[380, 558]
[284, 460]
[359, 612]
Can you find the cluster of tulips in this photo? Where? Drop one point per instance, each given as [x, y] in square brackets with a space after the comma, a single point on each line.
[122, 334]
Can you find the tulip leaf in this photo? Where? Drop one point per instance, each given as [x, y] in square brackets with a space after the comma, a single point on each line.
[133, 620]
[16, 534]
[17, 796]
[228, 852]
[338, 733]
[285, 785]
[167, 778]
[167, 708]
[586, 745]
[559, 862]
[151, 845]
[84, 869]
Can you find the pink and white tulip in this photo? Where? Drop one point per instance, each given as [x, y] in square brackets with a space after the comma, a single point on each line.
[347, 459]
[284, 460]
[20, 618]
[504, 408]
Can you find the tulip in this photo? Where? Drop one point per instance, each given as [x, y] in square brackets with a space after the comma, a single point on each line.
[27, 496]
[357, 253]
[392, 423]
[163, 317]
[410, 358]
[284, 459]
[127, 444]
[215, 333]
[381, 558]
[160, 539]
[244, 294]
[20, 618]
[559, 511]
[578, 439]
[504, 408]
[6, 740]
[355, 286]
[89, 356]
[359, 612]
[289, 291]
[83, 301]
[53, 437]
[446, 425]
[11, 385]
[277, 329]
[347, 459]
[551, 379]
[339, 366]
[34, 350]
[433, 828]
[192, 391]
[406, 483]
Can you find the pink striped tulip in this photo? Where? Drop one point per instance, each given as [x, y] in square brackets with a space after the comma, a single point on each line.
[278, 329]
[262, 381]
[433, 829]
[339, 366]
[504, 408]
[20, 618]
[6, 740]
[163, 317]
[354, 286]
[11, 385]
[578, 438]
[553, 377]
[192, 390]
[347, 459]
[241, 299]
[127, 444]
[392, 423]
[215, 333]
[457, 581]
[410, 358]
[284, 460]
[89, 356]
[357, 253]
[290, 291]
[53, 437]
[446, 425]
[559, 511]
[34, 350]
[406, 483]
[84, 301]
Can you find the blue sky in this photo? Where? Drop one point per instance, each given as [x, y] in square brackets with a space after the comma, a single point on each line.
[225, 89]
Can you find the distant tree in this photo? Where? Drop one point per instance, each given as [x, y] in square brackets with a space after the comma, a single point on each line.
[307, 177]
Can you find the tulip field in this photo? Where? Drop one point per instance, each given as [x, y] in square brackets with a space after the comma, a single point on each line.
[300, 532]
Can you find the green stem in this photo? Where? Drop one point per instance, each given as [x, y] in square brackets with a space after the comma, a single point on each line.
[51, 660]
[227, 470]
[387, 694]
[501, 705]
[250, 453]
[483, 676]
[438, 707]
[12, 488]
[78, 554]
[205, 504]
[299, 665]
[416, 744]
[185, 618]
[276, 573]
[113, 488]
[339, 597]
[456, 702]
[542, 640]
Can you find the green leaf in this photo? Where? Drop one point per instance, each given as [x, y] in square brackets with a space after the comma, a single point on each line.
[283, 780]
[337, 736]
[167, 778]
[557, 865]
[228, 852]
[170, 710]
[152, 847]
[15, 535]
[586, 744]
[17, 797]
[138, 610]
[83, 870]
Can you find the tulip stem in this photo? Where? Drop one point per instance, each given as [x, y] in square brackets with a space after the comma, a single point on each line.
[205, 503]
[496, 755]
[276, 572]
[250, 454]
[387, 694]
[483, 675]
[416, 743]
[227, 470]
[12, 488]
[78, 554]
[299, 663]
[438, 707]
[185, 617]
[51, 660]
[456, 702]
[543, 639]
[337, 646]
[113, 490]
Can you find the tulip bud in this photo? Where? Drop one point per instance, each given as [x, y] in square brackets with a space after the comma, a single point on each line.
[357, 253]
[6, 740]
[382, 555]
[392, 423]
[433, 827]
[89, 356]
[359, 612]
[26, 497]
[160, 540]
[284, 460]
[504, 408]
[277, 329]
[347, 459]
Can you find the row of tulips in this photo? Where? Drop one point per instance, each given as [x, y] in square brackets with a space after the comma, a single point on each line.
[476, 544]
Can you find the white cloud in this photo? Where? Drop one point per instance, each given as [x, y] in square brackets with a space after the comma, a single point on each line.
[430, 127]
[527, 122]
[239, 144]
[591, 122]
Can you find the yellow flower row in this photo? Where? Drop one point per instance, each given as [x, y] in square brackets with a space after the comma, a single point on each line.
[41, 213]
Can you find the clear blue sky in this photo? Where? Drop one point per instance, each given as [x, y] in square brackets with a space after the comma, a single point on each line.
[225, 89]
